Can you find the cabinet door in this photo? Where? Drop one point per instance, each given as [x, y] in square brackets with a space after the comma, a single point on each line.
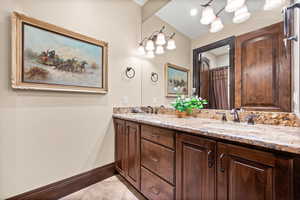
[133, 173]
[249, 174]
[120, 146]
[195, 168]
[263, 70]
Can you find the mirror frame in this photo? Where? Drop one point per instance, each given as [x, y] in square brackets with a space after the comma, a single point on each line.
[196, 65]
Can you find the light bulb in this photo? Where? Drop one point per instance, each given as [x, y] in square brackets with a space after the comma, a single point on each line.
[241, 15]
[171, 44]
[272, 4]
[150, 54]
[208, 15]
[233, 5]
[160, 50]
[161, 39]
[194, 12]
[141, 50]
[216, 25]
[150, 45]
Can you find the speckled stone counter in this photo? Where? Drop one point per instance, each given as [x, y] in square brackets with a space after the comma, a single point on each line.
[272, 137]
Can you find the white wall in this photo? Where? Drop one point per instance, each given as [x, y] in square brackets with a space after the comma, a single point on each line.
[49, 136]
[223, 60]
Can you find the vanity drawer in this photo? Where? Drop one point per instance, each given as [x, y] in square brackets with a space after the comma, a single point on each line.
[159, 135]
[155, 188]
[158, 159]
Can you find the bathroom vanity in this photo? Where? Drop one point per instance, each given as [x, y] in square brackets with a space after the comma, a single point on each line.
[165, 157]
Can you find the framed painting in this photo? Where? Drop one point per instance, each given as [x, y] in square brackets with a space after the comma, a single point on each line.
[48, 57]
[177, 80]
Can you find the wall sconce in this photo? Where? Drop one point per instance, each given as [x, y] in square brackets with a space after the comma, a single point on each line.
[130, 72]
[156, 43]
[154, 77]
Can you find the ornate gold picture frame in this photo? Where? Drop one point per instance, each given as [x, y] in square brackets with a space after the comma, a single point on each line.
[176, 80]
[48, 57]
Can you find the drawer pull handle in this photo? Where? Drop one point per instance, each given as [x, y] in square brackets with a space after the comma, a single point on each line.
[210, 156]
[222, 169]
[155, 136]
[154, 159]
[155, 190]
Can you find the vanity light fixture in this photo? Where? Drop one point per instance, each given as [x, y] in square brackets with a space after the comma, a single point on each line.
[150, 54]
[171, 43]
[233, 5]
[272, 4]
[216, 25]
[161, 38]
[159, 50]
[150, 45]
[141, 49]
[241, 15]
[208, 15]
[157, 41]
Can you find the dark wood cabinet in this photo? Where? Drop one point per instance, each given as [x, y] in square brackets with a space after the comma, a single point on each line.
[250, 174]
[263, 70]
[155, 188]
[158, 159]
[120, 146]
[127, 153]
[133, 154]
[195, 168]
[187, 167]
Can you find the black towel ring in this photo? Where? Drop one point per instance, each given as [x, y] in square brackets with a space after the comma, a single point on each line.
[130, 72]
[154, 77]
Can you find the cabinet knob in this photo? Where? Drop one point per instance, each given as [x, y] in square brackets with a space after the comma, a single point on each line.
[155, 135]
[155, 190]
[154, 159]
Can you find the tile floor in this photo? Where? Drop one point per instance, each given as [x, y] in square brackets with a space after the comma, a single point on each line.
[113, 188]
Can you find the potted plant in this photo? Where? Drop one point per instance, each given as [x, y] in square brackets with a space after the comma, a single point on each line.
[184, 106]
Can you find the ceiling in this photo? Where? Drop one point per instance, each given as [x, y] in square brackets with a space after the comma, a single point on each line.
[177, 14]
[141, 2]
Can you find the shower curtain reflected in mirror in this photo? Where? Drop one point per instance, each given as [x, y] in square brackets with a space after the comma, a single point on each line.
[214, 85]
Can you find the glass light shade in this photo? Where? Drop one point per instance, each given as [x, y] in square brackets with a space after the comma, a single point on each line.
[241, 15]
[150, 54]
[272, 4]
[216, 25]
[141, 50]
[171, 44]
[160, 50]
[208, 15]
[150, 45]
[194, 12]
[161, 39]
[233, 5]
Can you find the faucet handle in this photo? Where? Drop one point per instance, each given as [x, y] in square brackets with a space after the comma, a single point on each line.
[250, 119]
[224, 118]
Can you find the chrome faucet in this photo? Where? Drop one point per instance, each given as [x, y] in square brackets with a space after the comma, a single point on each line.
[152, 109]
[235, 114]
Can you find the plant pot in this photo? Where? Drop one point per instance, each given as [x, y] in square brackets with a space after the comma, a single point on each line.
[181, 114]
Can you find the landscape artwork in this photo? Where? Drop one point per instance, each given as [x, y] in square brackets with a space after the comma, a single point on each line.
[177, 80]
[56, 59]
[52, 58]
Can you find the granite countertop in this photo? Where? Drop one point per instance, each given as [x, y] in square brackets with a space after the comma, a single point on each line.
[280, 138]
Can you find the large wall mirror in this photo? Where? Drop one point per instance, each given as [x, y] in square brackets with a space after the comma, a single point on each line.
[213, 73]
[240, 59]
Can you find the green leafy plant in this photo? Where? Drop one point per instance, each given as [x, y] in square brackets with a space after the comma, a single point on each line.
[183, 104]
